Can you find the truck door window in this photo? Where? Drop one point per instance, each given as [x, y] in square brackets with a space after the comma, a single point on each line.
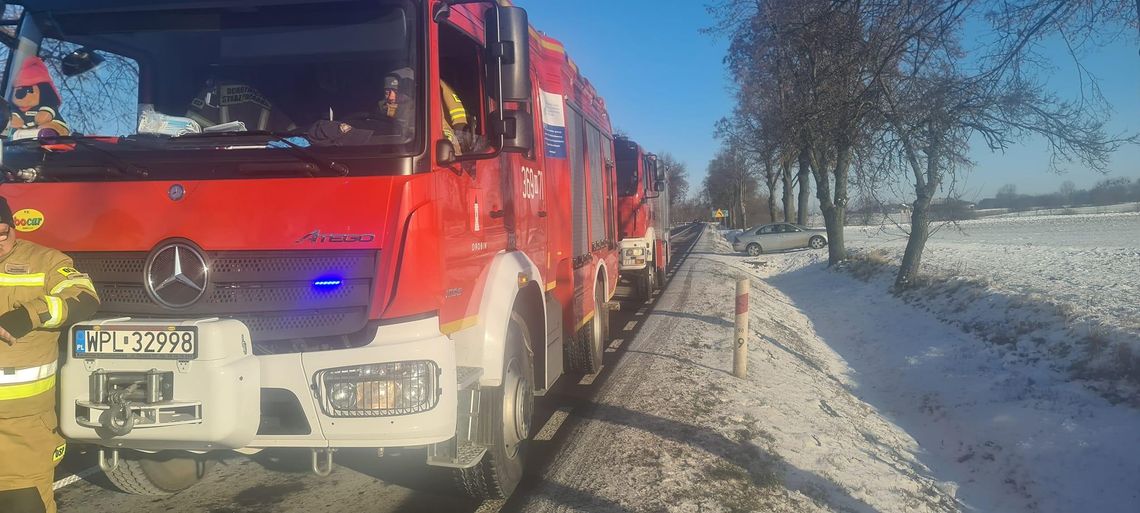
[462, 93]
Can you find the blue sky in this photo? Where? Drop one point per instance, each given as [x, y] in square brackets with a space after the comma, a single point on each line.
[665, 84]
[663, 80]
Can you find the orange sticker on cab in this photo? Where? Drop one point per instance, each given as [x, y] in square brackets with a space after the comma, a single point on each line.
[28, 220]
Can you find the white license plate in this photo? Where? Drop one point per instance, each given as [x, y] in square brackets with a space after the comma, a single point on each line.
[174, 342]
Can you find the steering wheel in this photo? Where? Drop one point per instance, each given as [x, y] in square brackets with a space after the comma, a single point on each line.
[375, 121]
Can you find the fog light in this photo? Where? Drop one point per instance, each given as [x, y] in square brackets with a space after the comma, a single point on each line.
[398, 388]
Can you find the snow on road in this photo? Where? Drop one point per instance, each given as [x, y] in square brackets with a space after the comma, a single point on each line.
[856, 401]
[673, 430]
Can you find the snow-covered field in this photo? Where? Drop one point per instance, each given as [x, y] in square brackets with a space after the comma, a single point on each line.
[1063, 288]
[1105, 209]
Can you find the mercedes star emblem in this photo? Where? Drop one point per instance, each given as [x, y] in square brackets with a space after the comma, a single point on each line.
[176, 192]
[176, 275]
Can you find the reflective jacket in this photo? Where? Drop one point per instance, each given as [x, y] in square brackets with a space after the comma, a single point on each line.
[454, 114]
[41, 295]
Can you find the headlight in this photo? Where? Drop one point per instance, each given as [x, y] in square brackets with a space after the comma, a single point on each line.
[379, 390]
[342, 396]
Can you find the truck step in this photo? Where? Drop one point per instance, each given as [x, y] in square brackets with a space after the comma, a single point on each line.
[451, 454]
[468, 376]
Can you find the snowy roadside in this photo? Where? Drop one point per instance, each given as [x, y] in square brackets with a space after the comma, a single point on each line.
[673, 430]
[1012, 433]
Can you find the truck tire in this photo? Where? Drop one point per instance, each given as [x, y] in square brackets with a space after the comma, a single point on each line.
[501, 470]
[648, 282]
[163, 473]
[584, 352]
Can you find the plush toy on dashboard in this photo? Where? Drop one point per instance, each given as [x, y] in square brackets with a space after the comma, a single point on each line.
[37, 100]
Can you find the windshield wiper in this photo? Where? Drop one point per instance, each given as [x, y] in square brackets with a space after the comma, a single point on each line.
[329, 166]
[119, 164]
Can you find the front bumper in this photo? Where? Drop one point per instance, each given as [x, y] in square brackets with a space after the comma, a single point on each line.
[228, 398]
[636, 254]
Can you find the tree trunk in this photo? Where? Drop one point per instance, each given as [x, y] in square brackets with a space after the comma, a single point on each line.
[743, 209]
[805, 187]
[771, 180]
[773, 211]
[834, 208]
[926, 185]
[915, 243]
[833, 219]
[789, 196]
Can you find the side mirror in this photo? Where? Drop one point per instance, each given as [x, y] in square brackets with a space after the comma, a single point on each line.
[516, 131]
[445, 152]
[659, 185]
[80, 61]
[508, 43]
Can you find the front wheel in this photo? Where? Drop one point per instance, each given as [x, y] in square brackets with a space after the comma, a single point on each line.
[162, 473]
[648, 283]
[754, 249]
[817, 242]
[512, 405]
[586, 348]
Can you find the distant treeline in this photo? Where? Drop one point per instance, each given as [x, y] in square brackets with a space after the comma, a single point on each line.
[1106, 192]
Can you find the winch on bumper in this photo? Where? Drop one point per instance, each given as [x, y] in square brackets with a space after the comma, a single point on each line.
[205, 399]
[397, 391]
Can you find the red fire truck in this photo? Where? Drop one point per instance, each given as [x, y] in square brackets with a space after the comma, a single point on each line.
[335, 224]
[643, 217]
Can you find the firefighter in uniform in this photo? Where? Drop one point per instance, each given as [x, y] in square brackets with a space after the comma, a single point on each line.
[396, 104]
[455, 120]
[41, 294]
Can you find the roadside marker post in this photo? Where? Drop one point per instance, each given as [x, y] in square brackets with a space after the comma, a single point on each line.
[740, 345]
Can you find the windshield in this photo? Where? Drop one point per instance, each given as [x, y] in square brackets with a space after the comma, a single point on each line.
[336, 74]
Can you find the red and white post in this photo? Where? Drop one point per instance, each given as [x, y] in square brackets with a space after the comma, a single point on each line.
[740, 351]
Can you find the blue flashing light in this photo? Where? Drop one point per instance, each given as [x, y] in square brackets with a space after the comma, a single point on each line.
[327, 283]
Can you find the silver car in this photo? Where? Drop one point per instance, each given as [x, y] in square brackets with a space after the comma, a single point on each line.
[779, 237]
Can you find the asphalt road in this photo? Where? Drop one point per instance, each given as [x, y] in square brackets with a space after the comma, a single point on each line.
[281, 480]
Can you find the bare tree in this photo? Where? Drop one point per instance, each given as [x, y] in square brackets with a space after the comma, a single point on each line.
[839, 77]
[731, 183]
[676, 176]
[823, 62]
[936, 101]
[1068, 188]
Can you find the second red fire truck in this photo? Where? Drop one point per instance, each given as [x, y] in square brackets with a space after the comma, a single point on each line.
[643, 217]
[336, 224]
